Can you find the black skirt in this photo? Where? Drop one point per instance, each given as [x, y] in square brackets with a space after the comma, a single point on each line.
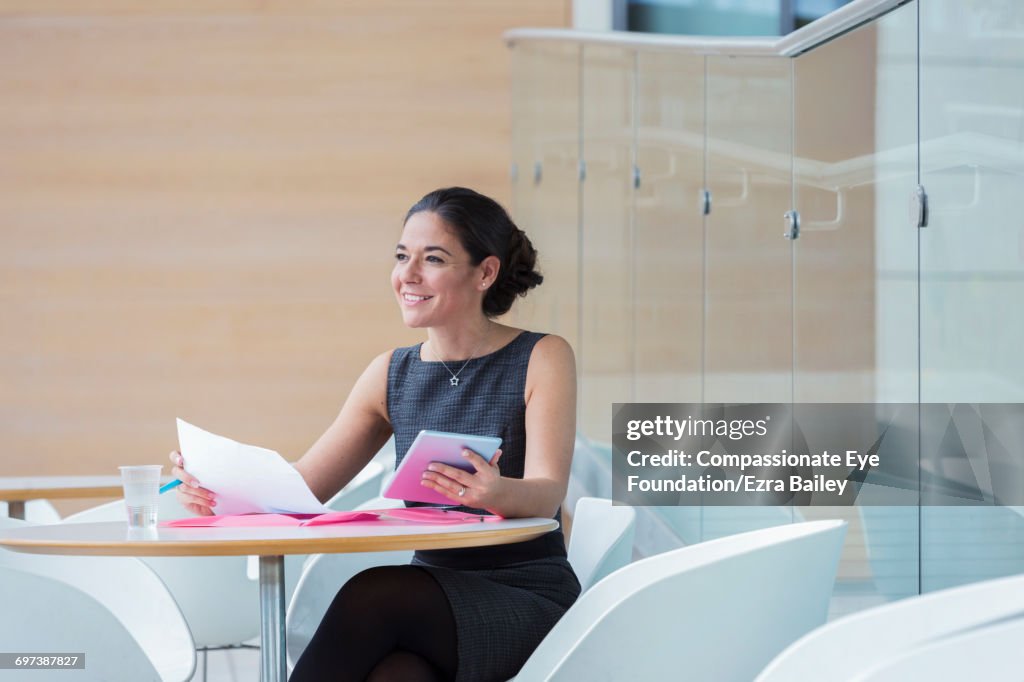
[502, 613]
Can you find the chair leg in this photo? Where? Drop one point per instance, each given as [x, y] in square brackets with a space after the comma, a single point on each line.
[205, 655]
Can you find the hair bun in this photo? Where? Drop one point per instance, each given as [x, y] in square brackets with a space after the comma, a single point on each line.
[520, 268]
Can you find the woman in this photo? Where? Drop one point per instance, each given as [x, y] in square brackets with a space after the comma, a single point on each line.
[471, 614]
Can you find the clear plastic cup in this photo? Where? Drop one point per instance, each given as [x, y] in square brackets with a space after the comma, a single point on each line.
[141, 494]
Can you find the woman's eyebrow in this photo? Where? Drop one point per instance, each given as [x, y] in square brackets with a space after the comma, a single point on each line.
[428, 248]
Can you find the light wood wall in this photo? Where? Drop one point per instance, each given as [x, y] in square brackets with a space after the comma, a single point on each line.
[198, 202]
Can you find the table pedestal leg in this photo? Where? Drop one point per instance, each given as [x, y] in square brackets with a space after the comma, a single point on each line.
[16, 509]
[273, 655]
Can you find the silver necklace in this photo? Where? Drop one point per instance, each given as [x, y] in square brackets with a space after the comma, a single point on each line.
[454, 381]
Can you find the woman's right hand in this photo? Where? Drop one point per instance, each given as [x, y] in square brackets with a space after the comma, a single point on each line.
[191, 495]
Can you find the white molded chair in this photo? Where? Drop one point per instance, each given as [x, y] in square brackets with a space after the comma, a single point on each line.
[219, 603]
[386, 456]
[601, 540]
[849, 647]
[36, 511]
[113, 609]
[222, 608]
[591, 473]
[718, 610]
[990, 653]
[361, 489]
[322, 577]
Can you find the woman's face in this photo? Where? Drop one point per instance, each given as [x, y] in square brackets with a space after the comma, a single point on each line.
[434, 279]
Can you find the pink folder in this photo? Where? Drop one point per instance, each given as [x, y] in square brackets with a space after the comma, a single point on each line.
[427, 515]
[263, 520]
[435, 515]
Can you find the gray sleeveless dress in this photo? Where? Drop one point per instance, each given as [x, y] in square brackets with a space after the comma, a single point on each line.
[504, 598]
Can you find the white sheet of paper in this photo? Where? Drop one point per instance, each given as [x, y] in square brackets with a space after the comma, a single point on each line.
[245, 478]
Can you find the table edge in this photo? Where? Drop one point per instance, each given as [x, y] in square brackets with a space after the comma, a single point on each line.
[282, 546]
[26, 494]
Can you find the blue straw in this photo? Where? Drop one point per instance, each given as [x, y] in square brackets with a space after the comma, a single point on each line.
[173, 484]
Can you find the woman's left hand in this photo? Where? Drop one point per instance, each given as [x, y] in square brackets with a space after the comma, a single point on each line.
[479, 489]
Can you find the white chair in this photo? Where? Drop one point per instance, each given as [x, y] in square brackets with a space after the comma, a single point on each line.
[115, 610]
[852, 646]
[361, 489]
[990, 653]
[591, 473]
[36, 511]
[219, 603]
[322, 577]
[602, 539]
[718, 610]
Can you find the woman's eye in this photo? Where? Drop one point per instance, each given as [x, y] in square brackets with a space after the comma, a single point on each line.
[434, 260]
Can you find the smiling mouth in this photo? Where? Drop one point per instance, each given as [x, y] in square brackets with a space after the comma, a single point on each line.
[410, 298]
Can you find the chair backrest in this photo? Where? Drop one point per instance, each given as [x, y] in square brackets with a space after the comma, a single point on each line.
[719, 610]
[36, 511]
[219, 603]
[990, 653]
[386, 456]
[322, 577]
[591, 468]
[894, 629]
[114, 609]
[601, 540]
[30, 624]
[365, 486]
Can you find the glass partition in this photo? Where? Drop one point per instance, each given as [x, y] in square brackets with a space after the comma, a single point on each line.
[748, 294]
[972, 278]
[668, 258]
[668, 228]
[607, 335]
[855, 262]
[748, 340]
[545, 184]
[863, 306]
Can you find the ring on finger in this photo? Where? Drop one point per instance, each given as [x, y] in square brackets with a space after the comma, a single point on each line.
[462, 491]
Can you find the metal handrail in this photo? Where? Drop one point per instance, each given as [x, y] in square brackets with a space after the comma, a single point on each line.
[832, 25]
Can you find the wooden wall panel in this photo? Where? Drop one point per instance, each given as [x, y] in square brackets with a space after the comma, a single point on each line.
[198, 202]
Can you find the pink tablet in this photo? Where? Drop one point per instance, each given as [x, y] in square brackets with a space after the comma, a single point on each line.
[436, 446]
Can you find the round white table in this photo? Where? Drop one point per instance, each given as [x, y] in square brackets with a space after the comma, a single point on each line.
[270, 544]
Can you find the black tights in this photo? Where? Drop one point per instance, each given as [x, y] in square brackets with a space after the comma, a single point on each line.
[387, 624]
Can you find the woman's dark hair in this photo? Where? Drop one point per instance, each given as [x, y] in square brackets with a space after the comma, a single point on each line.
[485, 229]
